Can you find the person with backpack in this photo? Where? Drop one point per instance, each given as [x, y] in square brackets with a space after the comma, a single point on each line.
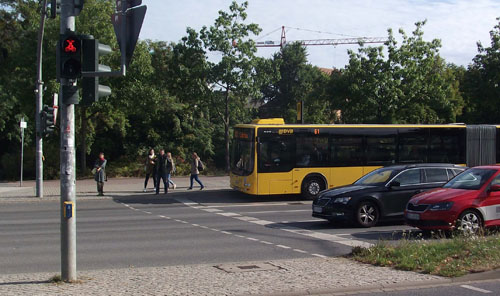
[196, 167]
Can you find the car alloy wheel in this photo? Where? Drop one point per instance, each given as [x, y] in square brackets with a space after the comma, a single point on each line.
[469, 223]
[367, 214]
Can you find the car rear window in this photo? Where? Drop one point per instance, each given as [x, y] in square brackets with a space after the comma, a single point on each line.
[436, 175]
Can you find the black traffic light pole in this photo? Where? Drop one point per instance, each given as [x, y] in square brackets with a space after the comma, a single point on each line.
[39, 102]
[69, 70]
[68, 162]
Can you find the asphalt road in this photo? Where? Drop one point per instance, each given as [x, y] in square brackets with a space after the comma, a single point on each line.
[460, 289]
[184, 227]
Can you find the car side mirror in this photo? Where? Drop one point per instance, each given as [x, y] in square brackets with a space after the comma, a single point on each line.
[494, 188]
[394, 184]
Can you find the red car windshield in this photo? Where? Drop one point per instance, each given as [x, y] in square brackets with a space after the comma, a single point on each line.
[471, 179]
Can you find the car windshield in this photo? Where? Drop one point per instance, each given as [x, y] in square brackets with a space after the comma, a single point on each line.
[471, 179]
[377, 177]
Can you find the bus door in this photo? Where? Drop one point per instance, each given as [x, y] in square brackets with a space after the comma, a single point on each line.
[275, 163]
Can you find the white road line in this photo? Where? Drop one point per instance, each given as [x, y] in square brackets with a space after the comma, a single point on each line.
[212, 210]
[256, 204]
[229, 214]
[300, 251]
[272, 212]
[245, 218]
[475, 289]
[252, 239]
[320, 256]
[195, 225]
[303, 221]
[265, 242]
[285, 227]
[147, 212]
[225, 232]
[284, 247]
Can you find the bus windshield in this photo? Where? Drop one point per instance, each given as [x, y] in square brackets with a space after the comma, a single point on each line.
[377, 177]
[242, 158]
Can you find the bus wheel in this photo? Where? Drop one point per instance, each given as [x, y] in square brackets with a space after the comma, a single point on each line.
[367, 214]
[312, 186]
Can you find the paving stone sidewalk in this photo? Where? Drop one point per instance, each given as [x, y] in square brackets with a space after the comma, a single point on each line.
[86, 189]
[308, 276]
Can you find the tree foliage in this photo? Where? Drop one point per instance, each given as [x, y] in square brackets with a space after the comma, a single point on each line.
[177, 96]
[412, 85]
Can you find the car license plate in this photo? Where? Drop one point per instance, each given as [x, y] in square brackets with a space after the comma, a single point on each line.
[317, 209]
[413, 216]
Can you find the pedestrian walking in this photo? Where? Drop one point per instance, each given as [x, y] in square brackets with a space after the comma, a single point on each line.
[161, 171]
[100, 173]
[196, 167]
[150, 169]
[170, 170]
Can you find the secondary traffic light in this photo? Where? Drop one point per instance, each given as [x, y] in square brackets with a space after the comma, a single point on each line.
[48, 120]
[91, 89]
[70, 57]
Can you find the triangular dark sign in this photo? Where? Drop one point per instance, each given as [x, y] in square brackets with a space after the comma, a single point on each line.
[133, 23]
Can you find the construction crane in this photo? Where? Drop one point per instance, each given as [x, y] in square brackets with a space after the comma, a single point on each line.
[355, 40]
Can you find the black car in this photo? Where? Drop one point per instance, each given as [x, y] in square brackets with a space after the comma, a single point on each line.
[382, 193]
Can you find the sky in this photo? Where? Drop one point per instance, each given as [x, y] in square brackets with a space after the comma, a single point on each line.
[459, 24]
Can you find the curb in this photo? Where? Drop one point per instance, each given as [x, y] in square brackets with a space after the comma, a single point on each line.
[487, 276]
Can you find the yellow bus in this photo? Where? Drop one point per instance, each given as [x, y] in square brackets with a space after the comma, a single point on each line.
[270, 157]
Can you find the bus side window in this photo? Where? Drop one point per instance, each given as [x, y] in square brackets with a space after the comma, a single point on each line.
[312, 151]
[276, 155]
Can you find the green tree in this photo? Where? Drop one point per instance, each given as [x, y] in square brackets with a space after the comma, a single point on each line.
[232, 78]
[289, 79]
[412, 85]
[481, 83]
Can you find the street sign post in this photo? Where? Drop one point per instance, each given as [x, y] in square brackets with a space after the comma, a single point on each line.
[23, 125]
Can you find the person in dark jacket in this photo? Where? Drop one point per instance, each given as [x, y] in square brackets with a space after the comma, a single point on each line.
[150, 168]
[100, 173]
[170, 169]
[161, 171]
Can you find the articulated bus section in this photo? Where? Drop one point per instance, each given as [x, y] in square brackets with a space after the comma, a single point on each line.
[271, 158]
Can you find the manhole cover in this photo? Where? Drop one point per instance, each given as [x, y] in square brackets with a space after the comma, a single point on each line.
[241, 267]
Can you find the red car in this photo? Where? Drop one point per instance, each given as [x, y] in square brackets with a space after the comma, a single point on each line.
[468, 202]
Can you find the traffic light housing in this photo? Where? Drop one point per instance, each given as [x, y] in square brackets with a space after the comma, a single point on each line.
[91, 89]
[69, 57]
[47, 120]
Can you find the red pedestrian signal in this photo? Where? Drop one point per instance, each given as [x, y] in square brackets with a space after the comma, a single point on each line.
[70, 45]
[70, 57]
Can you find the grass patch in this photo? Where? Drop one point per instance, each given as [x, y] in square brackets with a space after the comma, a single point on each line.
[448, 257]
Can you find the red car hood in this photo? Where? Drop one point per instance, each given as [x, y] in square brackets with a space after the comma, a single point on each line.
[442, 195]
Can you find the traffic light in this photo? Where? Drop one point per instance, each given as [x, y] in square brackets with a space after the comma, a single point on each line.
[69, 57]
[91, 89]
[48, 120]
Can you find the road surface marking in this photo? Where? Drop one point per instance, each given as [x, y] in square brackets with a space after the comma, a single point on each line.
[271, 212]
[284, 247]
[250, 219]
[317, 235]
[475, 289]
[320, 256]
